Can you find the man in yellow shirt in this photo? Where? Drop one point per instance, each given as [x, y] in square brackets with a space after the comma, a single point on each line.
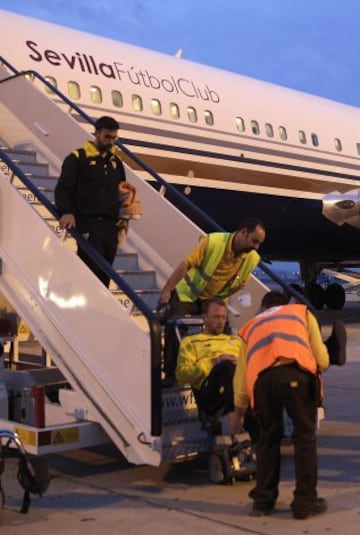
[207, 361]
[220, 265]
[285, 353]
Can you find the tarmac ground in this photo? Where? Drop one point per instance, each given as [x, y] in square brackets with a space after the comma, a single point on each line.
[96, 491]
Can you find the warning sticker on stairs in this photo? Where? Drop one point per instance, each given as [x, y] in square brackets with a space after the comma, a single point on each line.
[24, 332]
[65, 436]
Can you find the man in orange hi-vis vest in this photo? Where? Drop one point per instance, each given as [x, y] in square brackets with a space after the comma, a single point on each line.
[285, 353]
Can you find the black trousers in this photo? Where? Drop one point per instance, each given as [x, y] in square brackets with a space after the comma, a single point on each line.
[216, 395]
[103, 236]
[171, 344]
[290, 388]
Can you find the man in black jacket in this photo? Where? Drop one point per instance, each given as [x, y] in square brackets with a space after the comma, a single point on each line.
[87, 193]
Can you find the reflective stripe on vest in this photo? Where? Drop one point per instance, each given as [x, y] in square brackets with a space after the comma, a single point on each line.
[193, 284]
[278, 332]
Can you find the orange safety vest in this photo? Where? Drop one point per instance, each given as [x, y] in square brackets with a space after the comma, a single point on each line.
[277, 332]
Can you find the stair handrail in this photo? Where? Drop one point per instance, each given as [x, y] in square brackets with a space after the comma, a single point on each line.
[154, 326]
[208, 221]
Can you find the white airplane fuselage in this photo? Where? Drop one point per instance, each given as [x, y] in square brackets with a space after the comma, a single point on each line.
[238, 147]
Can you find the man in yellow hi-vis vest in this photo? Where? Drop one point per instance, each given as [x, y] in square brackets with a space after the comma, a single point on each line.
[219, 265]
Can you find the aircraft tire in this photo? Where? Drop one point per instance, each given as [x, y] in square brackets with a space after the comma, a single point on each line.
[335, 296]
[316, 295]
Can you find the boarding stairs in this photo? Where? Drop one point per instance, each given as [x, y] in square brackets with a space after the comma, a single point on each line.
[126, 262]
[178, 406]
[105, 344]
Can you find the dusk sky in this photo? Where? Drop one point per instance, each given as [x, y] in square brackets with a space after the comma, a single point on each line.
[310, 45]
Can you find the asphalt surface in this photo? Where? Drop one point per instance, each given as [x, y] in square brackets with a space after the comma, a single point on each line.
[96, 491]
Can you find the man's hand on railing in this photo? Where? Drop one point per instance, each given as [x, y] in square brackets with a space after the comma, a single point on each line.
[67, 221]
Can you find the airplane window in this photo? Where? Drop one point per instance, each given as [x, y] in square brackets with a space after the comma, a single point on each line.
[302, 136]
[137, 103]
[315, 140]
[269, 130]
[255, 128]
[209, 118]
[155, 106]
[51, 81]
[240, 124]
[192, 115]
[282, 133]
[338, 145]
[74, 90]
[117, 98]
[95, 94]
[174, 110]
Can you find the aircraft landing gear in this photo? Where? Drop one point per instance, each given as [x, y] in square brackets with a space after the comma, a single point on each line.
[335, 296]
[316, 295]
[332, 295]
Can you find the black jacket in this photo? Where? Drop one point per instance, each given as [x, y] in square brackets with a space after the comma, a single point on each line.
[88, 184]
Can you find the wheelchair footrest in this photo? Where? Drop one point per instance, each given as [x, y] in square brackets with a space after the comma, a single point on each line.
[231, 462]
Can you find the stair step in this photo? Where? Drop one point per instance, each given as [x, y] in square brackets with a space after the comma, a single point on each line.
[126, 261]
[150, 297]
[139, 280]
[31, 197]
[39, 181]
[36, 168]
[18, 155]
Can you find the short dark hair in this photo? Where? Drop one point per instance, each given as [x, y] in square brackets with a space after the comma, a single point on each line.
[107, 123]
[250, 224]
[213, 301]
[273, 299]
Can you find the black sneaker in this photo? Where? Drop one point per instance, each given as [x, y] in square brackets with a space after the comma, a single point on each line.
[262, 508]
[304, 511]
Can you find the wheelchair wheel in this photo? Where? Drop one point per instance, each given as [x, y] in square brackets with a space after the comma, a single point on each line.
[220, 468]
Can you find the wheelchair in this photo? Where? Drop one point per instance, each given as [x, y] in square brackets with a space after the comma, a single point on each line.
[231, 458]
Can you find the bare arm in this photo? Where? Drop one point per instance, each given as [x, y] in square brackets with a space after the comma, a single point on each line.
[317, 345]
[174, 278]
[237, 420]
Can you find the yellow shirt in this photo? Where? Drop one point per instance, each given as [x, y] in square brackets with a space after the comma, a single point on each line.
[319, 350]
[226, 270]
[197, 351]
